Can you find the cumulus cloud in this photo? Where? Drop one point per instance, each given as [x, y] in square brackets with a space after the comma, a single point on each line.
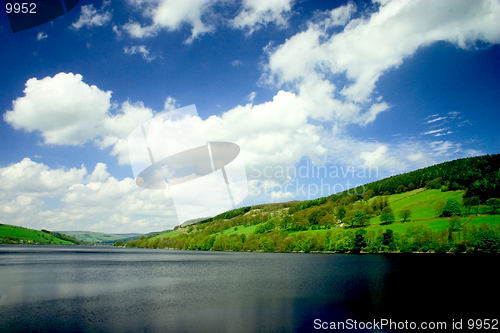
[369, 46]
[37, 179]
[258, 13]
[63, 108]
[171, 15]
[91, 17]
[67, 111]
[271, 133]
[20, 205]
[85, 199]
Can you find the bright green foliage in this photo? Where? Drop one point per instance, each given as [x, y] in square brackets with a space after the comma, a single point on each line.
[405, 214]
[360, 218]
[10, 234]
[452, 208]
[439, 207]
[310, 225]
[387, 215]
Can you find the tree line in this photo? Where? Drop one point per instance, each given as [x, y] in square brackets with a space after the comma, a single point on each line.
[417, 238]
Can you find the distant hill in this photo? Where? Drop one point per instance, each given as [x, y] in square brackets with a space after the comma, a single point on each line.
[10, 234]
[98, 237]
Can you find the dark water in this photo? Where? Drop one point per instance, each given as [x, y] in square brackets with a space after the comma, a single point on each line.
[102, 289]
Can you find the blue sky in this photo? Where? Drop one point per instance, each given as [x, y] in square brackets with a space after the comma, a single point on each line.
[383, 86]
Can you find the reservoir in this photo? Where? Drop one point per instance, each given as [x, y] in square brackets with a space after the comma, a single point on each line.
[106, 289]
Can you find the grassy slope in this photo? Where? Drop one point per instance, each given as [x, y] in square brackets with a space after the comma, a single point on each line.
[421, 203]
[29, 235]
[170, 233]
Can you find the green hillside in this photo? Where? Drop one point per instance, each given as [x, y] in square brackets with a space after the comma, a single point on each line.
[10, 234]
[266, 229]
[421, 202]
[449, 214]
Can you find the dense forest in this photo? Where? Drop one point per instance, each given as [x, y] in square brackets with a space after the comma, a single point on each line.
[362, 221]
[479, 175]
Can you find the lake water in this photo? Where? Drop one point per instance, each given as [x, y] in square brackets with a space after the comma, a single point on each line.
[105, 289]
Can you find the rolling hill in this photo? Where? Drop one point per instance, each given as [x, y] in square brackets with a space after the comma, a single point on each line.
[98, 237]
[10, 234]
[357, 221]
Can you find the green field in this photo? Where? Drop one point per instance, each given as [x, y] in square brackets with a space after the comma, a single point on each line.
[22, 235]
[421, 203]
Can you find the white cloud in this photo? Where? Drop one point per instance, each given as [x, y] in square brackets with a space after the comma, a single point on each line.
[25, 186]
[445, 148]
[63, 108]
[436, 131]
[235, 63]
[135, 30]
[280, 196]
[41, 35]
[379, 158]
[416, 157]
[20, 205]
[171, 15]
[251, 96]
[90, 17]
[99, 174]
[370, 46]
[67, 111]
[37, 179]
[258, 13]
[374, 110]
[436, 119]
[271, 133]
[142, 50]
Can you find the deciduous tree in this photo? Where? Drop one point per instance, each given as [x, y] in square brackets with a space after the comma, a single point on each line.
[405, 214]
[387, 215]
[452, 208]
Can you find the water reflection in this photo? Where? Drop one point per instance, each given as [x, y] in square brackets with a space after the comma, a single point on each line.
[88, 289]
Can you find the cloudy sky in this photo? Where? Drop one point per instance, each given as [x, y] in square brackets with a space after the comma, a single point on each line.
[319, 95]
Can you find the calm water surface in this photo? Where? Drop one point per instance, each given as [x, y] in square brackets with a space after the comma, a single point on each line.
[104, 289]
